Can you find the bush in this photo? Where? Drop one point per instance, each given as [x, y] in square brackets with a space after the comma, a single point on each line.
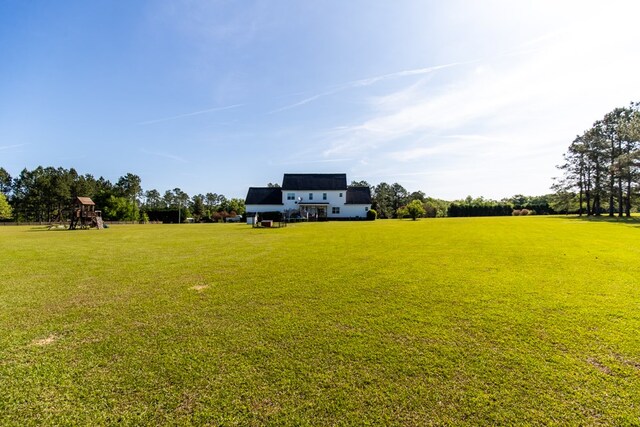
[220, 216]
[372, 215]
[402, 212]
[522, 212]
[415, 209]
[464, 210]
[6, 212]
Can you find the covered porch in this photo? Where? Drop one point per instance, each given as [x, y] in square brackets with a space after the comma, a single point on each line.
[313, 211]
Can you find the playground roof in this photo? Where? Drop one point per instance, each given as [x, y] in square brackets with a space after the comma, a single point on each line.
[85, 201]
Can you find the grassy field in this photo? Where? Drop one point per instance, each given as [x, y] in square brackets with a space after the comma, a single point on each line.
[486, 321]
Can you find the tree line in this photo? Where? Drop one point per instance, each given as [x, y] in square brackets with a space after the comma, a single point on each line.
[46, 194]
[601, 169]
[394, 201]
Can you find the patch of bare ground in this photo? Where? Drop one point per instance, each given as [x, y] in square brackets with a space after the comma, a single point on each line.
[265, 407]
[345, 327]
[199, 288]
[600, 366]
[188, 403]
[620, 358]
[45, 341]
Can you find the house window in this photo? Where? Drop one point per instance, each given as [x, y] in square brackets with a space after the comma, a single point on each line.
[324, 196]
[340, 194]
[291, 196]
[335, 210]
[310, 196]
[366, 209]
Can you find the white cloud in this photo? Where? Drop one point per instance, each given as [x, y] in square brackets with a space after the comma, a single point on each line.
[299, 162]
[368, 82]
[450, 145]
[194, 113]
[8, 147]
[165, 156]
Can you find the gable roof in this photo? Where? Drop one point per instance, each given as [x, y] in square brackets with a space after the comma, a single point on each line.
[264, 196]
[358, 196]
[314, 181]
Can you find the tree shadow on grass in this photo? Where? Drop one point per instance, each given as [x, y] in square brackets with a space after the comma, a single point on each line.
[46, 228]
[37, 229]
[633, 221]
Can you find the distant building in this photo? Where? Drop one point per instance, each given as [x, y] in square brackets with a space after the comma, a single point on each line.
[311, 196]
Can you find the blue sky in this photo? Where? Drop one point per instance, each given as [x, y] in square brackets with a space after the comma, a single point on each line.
[452, 98]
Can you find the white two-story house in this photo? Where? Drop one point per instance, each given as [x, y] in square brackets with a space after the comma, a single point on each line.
[312, 196]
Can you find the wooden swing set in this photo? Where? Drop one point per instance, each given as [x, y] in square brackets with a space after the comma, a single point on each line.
[85, 215]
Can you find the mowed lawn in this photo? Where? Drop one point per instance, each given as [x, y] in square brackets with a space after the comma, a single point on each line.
[479, 321]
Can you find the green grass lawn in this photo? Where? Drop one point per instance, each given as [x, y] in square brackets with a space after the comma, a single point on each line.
[491, 321]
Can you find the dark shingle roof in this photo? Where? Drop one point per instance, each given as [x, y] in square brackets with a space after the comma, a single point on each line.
[314, 181]
[264, 196]
[358, 196]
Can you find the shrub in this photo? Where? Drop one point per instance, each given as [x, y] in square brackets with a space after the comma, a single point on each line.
[217, 217]
[415, 209]
[524, 212]
[516, 212]
[487, 209]
[402, 212]
[372, 215]
[6, 212]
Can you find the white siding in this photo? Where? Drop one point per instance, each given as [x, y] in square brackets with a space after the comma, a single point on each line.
[264, 208]
[333, 200]
[353, 211]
